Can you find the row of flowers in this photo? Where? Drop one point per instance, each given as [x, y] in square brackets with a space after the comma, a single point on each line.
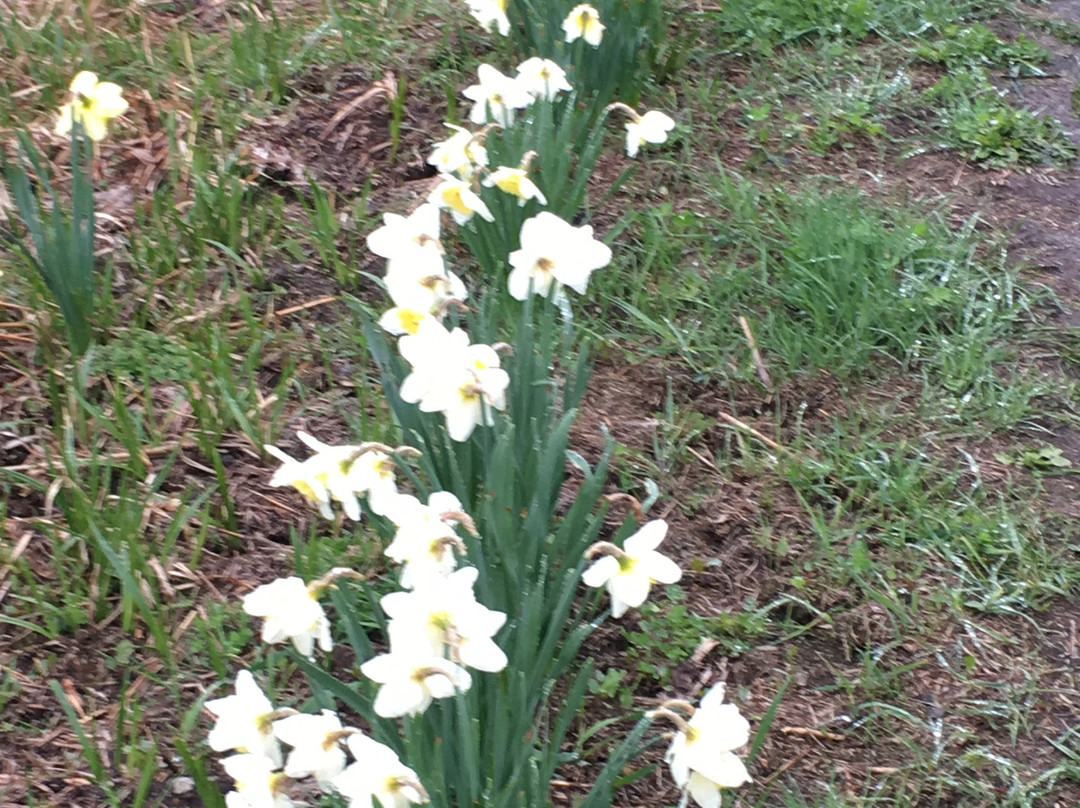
[439, 633]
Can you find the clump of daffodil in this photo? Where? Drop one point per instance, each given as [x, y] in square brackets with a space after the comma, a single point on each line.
[701, 755]
[629, 571]
[516, 181]
[583, 22]
[94, 104]
[652, 127]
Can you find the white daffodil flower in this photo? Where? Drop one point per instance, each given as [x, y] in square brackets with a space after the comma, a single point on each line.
[427, 286]
[443, 609]
[460, 154]
[290, 610]
[407, 508]
[515, 181]
[425, 538]
[304, 477]
[553, 251]
[378, 775]
[423, 545]
[332, 464]
[583, 22]
[411, 678]
[245, 722]
[430, 351]
[320, 478]
[467, 395]
[701, 756]
[629, 572]
[316, 748]
[457, 197]
[409, 237]
[462, 381]
[652, 127]
[542, 78]
[400, 320]
[496, 96]
[373, 474]
[257, 784]
[491, 14]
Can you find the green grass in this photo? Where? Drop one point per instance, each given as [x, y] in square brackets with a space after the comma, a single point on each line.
[828, 278]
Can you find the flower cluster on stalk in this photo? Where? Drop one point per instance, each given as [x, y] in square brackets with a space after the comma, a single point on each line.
[341, 474]
[437, 629]
[439, 635]
[247, 724]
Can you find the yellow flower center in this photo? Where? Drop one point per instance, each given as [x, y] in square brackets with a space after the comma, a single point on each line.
[626, 563]
[306, 491]
[452, 197]
[510, 182]
[441, 620]
[469, 392]
[410, 320]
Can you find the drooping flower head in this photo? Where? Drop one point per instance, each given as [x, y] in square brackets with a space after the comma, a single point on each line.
[461, 153]
[321, 478]
[652, 127]
[307, 478]
[515, 181]
[245, 721]
[630, 571]
[291, 611]
[701, 755]
[583, 22]
[491, 14]
[411, 239]
[316, 745]
[462, 381]
[257, 783]
[378, 776]
[442, 610]
[95, 103]
[425, 540]
[411, 677]
[458, 197]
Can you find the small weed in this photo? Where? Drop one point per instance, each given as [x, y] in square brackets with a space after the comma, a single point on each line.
[668, 635]
[976, 45]
[976, 120]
